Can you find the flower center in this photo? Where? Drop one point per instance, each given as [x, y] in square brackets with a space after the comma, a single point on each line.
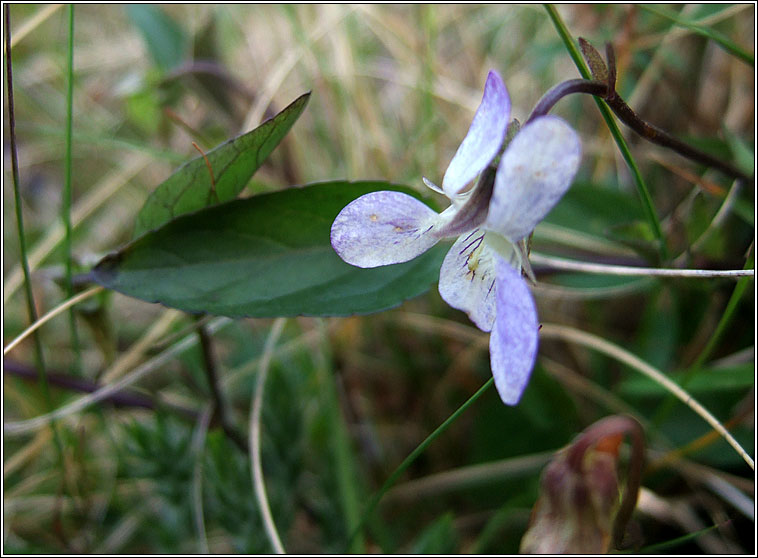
[504, 248]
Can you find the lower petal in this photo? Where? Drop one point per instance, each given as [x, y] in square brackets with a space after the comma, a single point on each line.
[467, 279]
[383, 228]
[513, 342]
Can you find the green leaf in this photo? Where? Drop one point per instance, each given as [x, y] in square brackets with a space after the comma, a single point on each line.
[233, 163]
[264, 256]
[164, 38]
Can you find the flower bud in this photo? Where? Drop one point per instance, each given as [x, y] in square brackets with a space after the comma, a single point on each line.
[578, 503]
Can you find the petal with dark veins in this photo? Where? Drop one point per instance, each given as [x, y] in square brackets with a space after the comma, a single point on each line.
[383, 228]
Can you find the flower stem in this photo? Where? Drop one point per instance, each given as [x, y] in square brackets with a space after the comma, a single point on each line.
[624, 113]
[558, 92]
[647, 202]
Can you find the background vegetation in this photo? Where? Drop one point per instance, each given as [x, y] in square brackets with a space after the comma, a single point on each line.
[347, 399]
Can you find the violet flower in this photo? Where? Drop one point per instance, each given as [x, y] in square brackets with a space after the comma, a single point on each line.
[481, 273]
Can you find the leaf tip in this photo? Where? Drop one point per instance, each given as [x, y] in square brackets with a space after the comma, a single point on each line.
[105, 271]
[598, 69]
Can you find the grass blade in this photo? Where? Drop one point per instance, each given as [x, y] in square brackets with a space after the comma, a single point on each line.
[392, 479]
[719, 38]
[647, 202]
[67, 195]
[40, 361]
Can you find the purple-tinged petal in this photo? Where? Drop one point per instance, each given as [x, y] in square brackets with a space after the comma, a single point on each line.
[535, 171]
[513, 341]
[467, 279]
[383, 228]
[484, 137]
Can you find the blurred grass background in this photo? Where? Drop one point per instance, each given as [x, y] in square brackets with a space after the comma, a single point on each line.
[394, 89]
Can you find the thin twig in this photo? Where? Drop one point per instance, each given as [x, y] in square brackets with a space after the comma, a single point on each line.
[70, 409]
[219, 403]
[123, 399]
[255, 436]
[622, 355]
[603, 269]
[51, 314]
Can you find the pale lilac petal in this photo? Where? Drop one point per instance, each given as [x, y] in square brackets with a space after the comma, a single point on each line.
[383, 228]
[513, 341]
[484, 137]
[535, 171]
[467, 279]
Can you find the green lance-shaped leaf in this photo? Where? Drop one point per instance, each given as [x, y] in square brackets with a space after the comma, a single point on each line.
[233, 163]
[264, 256]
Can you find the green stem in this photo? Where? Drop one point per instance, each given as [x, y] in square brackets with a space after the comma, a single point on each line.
[647, 202]
[32, 310]
[38, 353]
[66, 206]
[414, 455]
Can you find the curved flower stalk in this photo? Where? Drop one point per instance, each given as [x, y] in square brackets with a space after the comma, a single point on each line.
[481, 273]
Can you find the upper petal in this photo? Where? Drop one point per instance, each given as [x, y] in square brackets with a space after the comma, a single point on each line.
[535, 171]
[467, 279]
[383, 228]
[484, 137]
[513, 341]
